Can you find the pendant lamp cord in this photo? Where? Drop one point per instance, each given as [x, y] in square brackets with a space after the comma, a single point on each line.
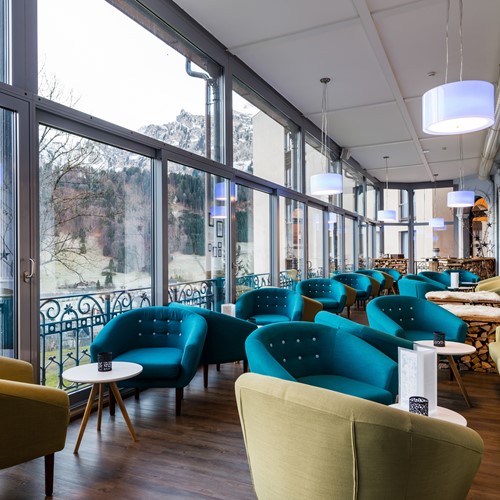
[324, 121]
[461, 12]
[461, 152]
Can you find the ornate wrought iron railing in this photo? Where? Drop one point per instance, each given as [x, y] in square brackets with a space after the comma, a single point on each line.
[69, 323]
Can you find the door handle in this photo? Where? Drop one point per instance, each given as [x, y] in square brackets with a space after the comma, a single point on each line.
[27, 276]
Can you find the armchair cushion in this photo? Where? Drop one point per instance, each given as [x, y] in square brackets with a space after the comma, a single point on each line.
[159, 362]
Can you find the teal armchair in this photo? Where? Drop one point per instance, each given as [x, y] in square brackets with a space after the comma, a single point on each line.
[378, 276]
[270, 305]
[393, 272]
[330, 293]
[318, 355]
[413, 285]
[414, 319]
[442, 278]
[388, 344]
[225, 340]
[359, 282]
[464, 276]
[167, 342]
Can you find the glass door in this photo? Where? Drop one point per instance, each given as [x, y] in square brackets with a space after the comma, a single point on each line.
[16, 266]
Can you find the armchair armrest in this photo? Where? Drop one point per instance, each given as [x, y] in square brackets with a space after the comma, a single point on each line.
[382, 322]
[16, 370]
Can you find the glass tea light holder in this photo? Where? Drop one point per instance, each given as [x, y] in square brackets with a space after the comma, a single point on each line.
[439, 339]
[419, 405]
[104, 361]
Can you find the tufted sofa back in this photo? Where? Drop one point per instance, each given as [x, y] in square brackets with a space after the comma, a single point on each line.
[321, 288]
[154, 326]
[301, 348]
[354, 280]
[270, 300]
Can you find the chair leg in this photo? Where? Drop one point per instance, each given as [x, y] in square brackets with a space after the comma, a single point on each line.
[217, 366]
[205, 376]
[245, 365]
[348, 312]
[49, 474]
[137, 393]
[179, 394]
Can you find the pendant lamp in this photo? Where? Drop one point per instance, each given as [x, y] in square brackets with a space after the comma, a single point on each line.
[386, 215]
[458, 107]
[461, 198]
[327, 183]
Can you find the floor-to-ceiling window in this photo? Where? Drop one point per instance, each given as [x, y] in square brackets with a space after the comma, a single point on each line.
[334, 225]
[121, 63]
[95, 243]
[351, 262]
[253, 239]
[265, 142]
[5, 38]
[315, 246]
[291, 241]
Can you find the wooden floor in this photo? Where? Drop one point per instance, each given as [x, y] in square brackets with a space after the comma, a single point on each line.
[201, 454]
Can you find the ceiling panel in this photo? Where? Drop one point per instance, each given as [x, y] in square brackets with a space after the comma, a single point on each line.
[260, 19]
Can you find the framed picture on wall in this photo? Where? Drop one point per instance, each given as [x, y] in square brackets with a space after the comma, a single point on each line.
[220, 229]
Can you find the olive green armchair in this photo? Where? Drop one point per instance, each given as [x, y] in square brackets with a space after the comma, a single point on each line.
[33, 418]
[308, 442]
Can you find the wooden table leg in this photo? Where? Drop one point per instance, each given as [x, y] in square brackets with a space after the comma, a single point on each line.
[99, 406]
[86, 415]
[456, 372]
[119, 400]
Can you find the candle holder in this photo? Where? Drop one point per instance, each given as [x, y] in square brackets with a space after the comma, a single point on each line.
[439, 339]
[419, 405]
[104, 361]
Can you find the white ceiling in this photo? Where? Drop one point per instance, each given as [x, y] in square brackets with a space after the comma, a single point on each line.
[378, 54]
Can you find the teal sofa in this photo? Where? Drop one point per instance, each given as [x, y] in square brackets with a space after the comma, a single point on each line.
[322, 356]
[414, 319]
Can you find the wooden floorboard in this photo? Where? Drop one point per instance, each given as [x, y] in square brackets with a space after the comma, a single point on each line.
[201, 455]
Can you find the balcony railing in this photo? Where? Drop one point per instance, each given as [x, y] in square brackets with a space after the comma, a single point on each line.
[69, 323]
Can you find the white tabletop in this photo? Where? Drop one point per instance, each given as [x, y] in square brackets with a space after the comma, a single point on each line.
[441, 414]
[89, 374]
[450, 348]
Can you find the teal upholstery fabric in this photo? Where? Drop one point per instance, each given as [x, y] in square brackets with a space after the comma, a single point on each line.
[463, 275]
[374, 274]
[442, 278]
[413, 285]
[388, 344]
[413, 318]
[298, 350]
[393, 272]
[225, 341]
[360, 283]
[167, 342]
[269, 305]
[330, 293]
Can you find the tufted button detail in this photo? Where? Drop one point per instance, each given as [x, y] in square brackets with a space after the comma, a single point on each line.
[282, 341]
[314, 339]
[298, 340]
[180, 334]
[140, 334]
[140, 321]
[284, 360]
[300, 357]
[154, 333]
[317, 356]
[270, 345]
[154, 320]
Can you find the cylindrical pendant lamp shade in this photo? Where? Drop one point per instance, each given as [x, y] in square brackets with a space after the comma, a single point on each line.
[458, 107]
[326, 184]
[436, 222]
[386, 215]
[218, 212]
[220, 191]
[457, 199]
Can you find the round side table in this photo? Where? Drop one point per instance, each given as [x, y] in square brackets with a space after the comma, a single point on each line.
[449, 350]
[88, 374]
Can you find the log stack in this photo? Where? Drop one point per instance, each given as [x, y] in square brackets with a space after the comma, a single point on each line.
[482, 322]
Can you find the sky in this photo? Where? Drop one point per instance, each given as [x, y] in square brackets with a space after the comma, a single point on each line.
[118, 71]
